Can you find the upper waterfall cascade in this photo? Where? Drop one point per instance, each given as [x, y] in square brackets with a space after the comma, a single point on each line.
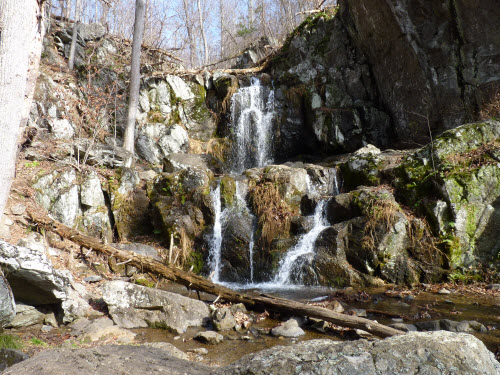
[252, 114]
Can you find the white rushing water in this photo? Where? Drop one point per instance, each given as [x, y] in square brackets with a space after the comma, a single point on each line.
[252, 113]
[216, 240]
[303, 250]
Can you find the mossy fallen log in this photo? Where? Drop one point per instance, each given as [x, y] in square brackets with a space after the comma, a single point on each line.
[192, 281]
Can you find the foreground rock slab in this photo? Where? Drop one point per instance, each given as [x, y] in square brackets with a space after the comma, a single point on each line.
[135, 306]
[413, 353]
[107, 360]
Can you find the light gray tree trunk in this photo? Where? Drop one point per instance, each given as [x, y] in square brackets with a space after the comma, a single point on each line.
[189, 29]
[203, 36]
[76, 25]
[135, 75]
[21, 34]
[251, 17]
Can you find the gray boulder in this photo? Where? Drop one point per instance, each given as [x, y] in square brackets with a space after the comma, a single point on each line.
[210, 337]
[7, 303]
[223, 319]
[34, 280]
[107, 360]
[135, 306]
[289, 329]
[9, 357]
[26, 316]
[413, 353]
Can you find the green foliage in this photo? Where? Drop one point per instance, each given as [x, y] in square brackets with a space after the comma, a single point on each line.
[36, 341]
[10, 342]
[32, 164]
[144, 282]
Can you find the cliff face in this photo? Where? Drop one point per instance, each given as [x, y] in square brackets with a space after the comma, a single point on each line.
[387, 72]
[437, 59]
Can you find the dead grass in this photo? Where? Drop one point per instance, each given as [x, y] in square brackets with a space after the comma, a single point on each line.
[273, 212]
[474, 159]
[492, 108]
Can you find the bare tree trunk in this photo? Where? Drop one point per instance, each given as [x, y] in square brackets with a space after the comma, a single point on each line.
[221, 12]
[135, 76]
[20, 25]
[189, 29]
[76, 25]
[251, 17]
[203, 36]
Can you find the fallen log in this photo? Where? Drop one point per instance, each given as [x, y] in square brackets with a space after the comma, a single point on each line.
[193, 281]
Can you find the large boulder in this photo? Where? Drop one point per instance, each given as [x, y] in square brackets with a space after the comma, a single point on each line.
[34, 280]
[135, 306]
[413, 353]
[106, 360]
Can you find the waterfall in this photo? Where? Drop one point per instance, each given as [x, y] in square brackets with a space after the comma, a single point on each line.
[216, 240]
[303, 250]
[252, 113]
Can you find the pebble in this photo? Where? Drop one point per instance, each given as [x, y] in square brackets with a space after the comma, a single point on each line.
[246, 338]
[92, 279]
[46, 328]
[444, 291]
[18, 209]
[209, 337]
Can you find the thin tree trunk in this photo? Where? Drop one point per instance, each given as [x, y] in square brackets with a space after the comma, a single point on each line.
[203, 36]
[190, 34]
[135, 76]
[21, 34]
[192, 281]
[74, 37]
[251, 17]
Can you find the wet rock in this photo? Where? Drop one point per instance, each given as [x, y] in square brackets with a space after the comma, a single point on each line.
[33, 279]
[201, 351]
[444, 291]
[9, 357]
[357, 312]
[107, 359]
[223, 319]
[26, 316]
[7, 303]
[336, 306]
[289, 329]
[238, 307]
[209, 337]
[493, 286]
[135, 306]
[414, 352]
[404, 327]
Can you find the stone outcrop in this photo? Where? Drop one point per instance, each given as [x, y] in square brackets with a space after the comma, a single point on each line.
[34, 280]
[7, 303]
[455, 182]
[135, 306]
[422, 353]
[386, 74]
[108, 359]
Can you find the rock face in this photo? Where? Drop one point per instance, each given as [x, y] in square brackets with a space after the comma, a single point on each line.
[7, 303]
[135, 306]
[461, 171]
[9, 357]
[384, 74]
[106, 360]
[35, 281]
[443, 83]
[414, 353]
